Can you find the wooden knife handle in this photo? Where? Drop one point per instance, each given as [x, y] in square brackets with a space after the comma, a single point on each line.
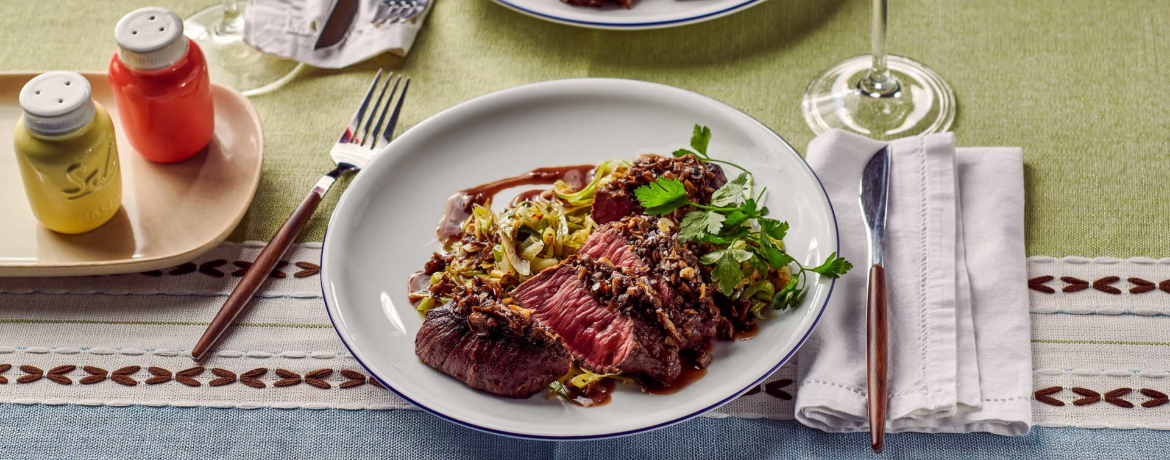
[876, 355]
[258, 272]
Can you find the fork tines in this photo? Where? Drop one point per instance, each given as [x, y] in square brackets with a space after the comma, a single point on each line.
[397, 11]
[367, 132]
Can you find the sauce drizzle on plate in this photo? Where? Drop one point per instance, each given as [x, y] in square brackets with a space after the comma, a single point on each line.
[460, 205]
[692, 370]
[595, 394]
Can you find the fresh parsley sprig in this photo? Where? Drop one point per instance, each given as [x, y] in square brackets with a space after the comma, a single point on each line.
[749, 243]
[700, 139]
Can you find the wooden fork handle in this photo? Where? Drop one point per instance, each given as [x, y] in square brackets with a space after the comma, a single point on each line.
[258, 272]
[876, 355]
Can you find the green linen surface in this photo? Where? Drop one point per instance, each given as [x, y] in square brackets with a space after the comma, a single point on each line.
[1081, 85]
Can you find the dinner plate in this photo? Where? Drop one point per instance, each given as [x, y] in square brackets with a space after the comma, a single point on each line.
[171, 213]
[646, 14]
[384, 229]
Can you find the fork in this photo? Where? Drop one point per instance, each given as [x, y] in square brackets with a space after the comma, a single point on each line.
[396, 11]
[360, 141]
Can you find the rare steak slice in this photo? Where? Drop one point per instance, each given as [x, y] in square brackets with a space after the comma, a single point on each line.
[649, 245]
[616, 199]
[605, 316]
[490, 346]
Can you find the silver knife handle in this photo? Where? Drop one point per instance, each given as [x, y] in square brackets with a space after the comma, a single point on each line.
[877, 253]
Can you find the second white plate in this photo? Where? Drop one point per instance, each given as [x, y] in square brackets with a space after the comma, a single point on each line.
[646, 14]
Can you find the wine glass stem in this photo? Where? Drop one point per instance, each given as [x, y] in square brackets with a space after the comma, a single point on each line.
[233, 21]
[878, 82]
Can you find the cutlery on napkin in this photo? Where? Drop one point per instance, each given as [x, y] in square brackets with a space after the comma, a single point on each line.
[337, 24]
[291, 29]
[959, 335]
[874, 194]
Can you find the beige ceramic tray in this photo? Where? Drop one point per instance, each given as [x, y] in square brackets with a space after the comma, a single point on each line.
[170, 213]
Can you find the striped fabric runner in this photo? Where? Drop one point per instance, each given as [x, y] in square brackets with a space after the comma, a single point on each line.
[1098, 328]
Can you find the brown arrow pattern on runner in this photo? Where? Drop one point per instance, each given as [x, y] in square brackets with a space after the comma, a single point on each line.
[212, 268]
[1090, 396]
[218, 269]
[307, 270]
[1037, 284]
[1105, 284]
[1074, 284]
[222, 377]
[1157, 398]
[775, 390]
[1140, 286]
[1115, 397]
[120, 376]
[287, 378]
[1045, 396]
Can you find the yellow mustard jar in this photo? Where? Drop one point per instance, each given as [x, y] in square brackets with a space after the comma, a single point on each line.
[68, 156]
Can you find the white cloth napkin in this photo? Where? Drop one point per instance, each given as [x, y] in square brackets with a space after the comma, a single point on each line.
[289, 28]
[959, 334]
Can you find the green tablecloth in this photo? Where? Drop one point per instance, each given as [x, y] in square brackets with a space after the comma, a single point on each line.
[1081, 85]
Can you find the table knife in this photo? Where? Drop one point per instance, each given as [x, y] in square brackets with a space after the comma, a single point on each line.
[875, 184]
[336, 28]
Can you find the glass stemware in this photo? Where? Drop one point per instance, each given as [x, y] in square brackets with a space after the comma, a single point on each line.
[879, 95]
[219, 32]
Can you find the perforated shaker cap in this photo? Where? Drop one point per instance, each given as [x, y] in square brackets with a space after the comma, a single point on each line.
[56, 103]
[150, 38]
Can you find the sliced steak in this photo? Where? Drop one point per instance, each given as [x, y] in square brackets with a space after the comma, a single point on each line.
[604, 315]
[616, 199]
[649, 245]
[490, 346]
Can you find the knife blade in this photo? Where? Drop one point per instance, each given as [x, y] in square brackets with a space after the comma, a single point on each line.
[874, 196]
[336, 28]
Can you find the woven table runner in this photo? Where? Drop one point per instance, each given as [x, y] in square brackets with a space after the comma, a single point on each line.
[1099, 348]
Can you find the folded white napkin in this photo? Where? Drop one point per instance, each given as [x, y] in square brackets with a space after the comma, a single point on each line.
[289, 28]
[959, 335]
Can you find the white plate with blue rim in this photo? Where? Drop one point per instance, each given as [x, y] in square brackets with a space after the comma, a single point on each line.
[383, 230]
[644, 14]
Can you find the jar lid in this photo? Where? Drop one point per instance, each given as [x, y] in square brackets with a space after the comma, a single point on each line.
[56, 103]
[150, 38]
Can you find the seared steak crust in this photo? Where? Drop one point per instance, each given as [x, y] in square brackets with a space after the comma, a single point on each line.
[616, 199]
[490, 346]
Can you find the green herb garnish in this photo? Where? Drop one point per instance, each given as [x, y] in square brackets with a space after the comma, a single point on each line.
[661, 196]
[749, 244]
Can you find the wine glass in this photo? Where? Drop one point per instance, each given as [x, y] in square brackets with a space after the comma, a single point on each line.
[879, 96]
[219, 32]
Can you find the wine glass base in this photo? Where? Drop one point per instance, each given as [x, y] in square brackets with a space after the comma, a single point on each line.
[923, 104]
[230, 60]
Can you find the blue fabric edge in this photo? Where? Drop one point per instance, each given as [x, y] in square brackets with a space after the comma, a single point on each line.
[72, 431]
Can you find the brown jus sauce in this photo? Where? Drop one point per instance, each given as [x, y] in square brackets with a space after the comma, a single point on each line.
[528, 195]
[601, 392]
[460, 205]
[595, 394]
[419, 281]
[750, 331]
[692, 371]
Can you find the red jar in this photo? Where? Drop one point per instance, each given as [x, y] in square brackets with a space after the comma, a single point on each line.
[161, 88]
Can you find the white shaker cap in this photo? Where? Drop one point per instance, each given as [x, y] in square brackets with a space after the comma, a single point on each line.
[56, 103]
[150, 38]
